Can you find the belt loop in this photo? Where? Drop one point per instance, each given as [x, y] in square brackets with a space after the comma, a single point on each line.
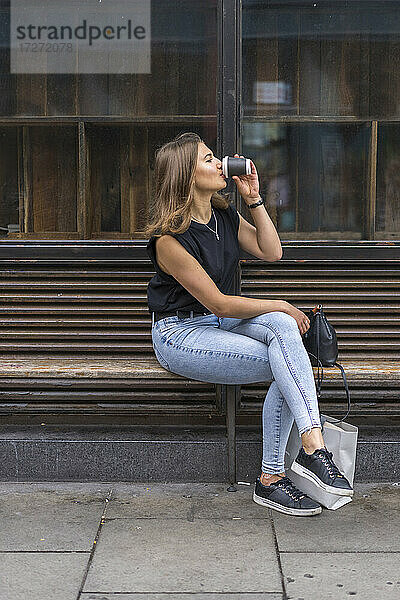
[152, 319]
[191, 314]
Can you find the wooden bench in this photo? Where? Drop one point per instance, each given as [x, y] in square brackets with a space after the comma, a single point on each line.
[67, 372]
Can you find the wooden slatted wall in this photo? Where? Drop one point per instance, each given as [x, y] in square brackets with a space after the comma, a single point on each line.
[88, 302]
[86, 319]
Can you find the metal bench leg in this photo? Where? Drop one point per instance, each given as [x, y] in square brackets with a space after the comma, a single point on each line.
[231, 434]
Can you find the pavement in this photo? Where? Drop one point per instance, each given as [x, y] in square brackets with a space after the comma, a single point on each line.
[131, 541]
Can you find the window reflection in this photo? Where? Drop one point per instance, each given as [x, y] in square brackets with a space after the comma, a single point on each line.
[184, 65]
[321, 58]
[388, 181]
[9, 200]
[313, 176]
[121, 173]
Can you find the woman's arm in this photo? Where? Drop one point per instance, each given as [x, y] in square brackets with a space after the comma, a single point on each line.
[191, 275]
[242, 307]
[264, 233]
[261, 241]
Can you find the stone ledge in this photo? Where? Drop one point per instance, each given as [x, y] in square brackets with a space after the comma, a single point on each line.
[139, 454]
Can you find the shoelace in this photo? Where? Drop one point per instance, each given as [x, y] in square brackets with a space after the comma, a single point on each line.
[327, 459]
[289, 488]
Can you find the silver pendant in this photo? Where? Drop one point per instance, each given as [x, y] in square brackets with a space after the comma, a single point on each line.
[217, 236]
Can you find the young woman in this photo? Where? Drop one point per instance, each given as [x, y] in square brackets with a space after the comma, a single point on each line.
[202, 331]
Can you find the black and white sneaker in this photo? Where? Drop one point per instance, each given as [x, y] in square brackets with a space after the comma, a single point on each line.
[320, 469]
[285, 497]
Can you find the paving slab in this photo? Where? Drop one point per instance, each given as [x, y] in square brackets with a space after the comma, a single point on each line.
[369, 523]
[320, 576]
[41, 576]
[49, 520]
[187, 501]
[26, 487]
[174, 555]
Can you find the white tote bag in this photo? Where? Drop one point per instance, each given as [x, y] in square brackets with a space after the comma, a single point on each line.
[341, 440]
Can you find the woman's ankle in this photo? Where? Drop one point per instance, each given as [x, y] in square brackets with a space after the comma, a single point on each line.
[312, 440]
[268, 478]
[311, 450]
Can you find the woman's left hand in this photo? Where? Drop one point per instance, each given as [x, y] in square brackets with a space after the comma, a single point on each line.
[248, 185]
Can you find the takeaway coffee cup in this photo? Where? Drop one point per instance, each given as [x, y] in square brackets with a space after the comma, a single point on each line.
[235, 166]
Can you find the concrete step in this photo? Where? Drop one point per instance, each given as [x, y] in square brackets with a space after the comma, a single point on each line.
[162, 455]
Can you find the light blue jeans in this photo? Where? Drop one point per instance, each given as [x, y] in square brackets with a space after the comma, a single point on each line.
[226, 350]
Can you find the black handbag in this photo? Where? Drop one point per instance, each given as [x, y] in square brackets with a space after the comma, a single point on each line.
[320, 341]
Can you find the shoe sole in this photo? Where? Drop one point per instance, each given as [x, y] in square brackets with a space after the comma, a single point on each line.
[298, 512]
[300, 470]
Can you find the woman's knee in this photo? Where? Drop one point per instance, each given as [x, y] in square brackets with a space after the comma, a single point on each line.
[282, 321]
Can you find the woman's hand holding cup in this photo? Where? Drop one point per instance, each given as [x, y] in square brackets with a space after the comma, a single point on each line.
[248, 185]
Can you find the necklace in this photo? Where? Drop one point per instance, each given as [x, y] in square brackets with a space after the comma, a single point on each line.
[216, 224]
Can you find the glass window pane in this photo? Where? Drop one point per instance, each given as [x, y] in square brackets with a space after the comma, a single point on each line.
[51, 179]
[321, 58]
[388, 182]
[313, 176]
[42, 162]
[47, 180]
[9, 202]
[121, 171]
[183, 78]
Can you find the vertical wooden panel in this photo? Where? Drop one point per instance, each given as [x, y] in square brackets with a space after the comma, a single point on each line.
[129, 94]
[141, 179]
[8, 179]
[160, 80]
[385, 67]
[309, 66]
[61, 94]
[340, 54]
[108, 204]
[211, 62]
[94, 203]
[126, 188]
[31, 94]
[372, 162]
[21, 180]
[267, 57]
[84, 206]
[288, 58]
[93, 94]
[295, 176]
[28, 181]
[133, 174]
[67, 186]
[176, 62]
[53, 160]
[364, 76]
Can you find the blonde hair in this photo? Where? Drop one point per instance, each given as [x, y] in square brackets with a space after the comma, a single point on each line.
[174, 174]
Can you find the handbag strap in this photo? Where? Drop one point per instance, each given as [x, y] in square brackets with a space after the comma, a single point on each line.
[346, 387]
[319, 378]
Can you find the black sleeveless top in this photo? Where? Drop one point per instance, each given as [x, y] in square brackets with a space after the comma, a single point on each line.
[218, 258]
